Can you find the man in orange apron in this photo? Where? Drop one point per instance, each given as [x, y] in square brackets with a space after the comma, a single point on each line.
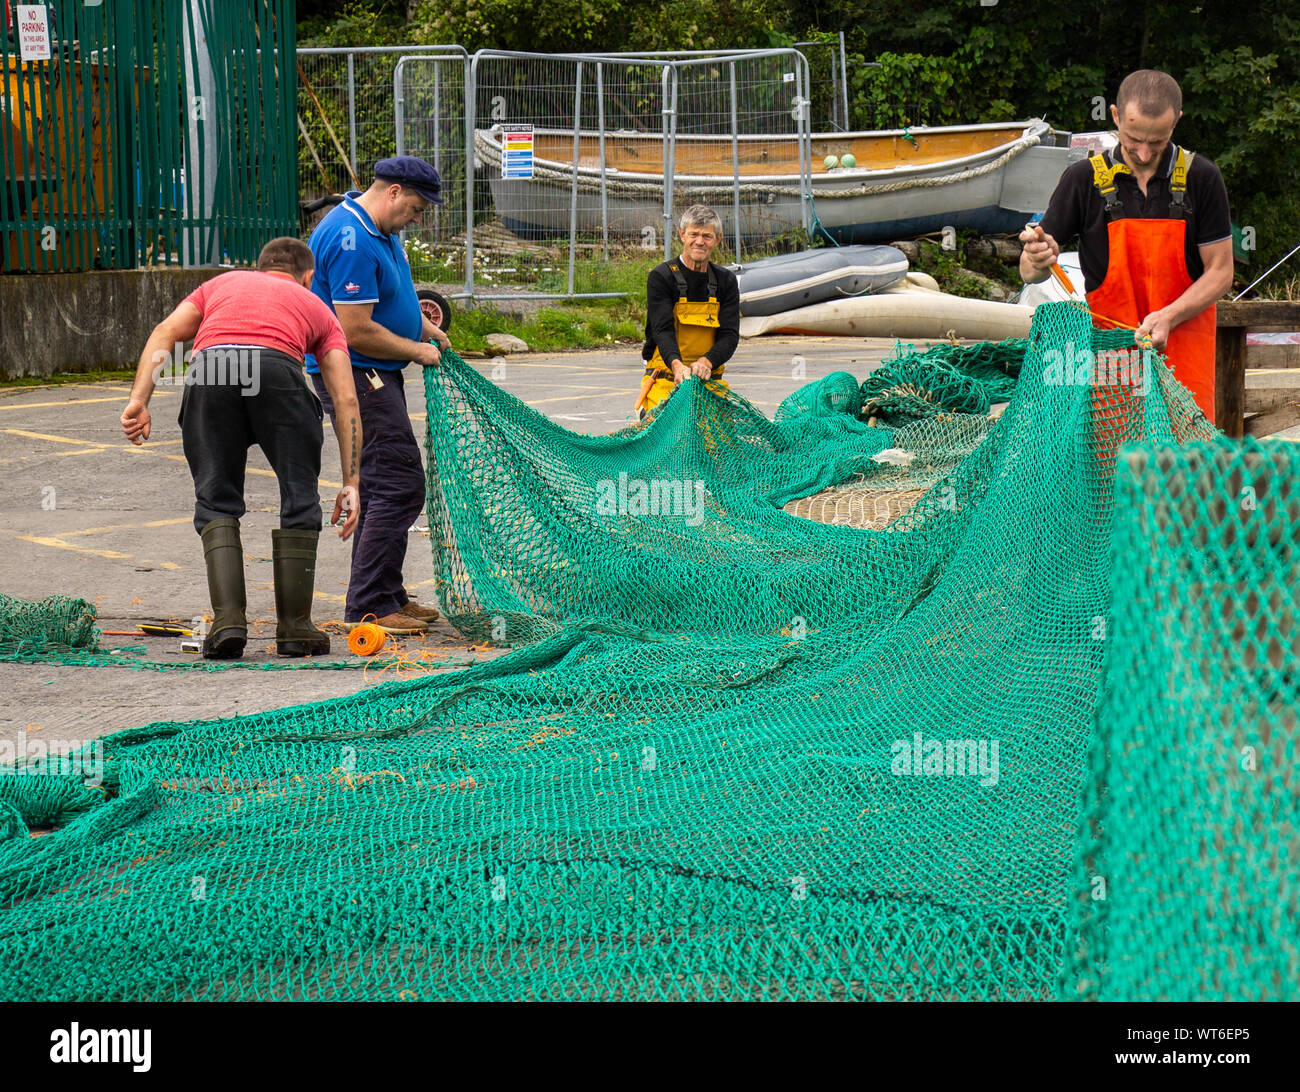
[692, 313]
[1155, 241]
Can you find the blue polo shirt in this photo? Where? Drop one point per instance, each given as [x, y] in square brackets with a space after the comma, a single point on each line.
[356, 263]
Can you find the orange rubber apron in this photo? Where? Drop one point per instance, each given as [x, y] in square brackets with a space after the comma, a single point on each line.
[696, 329]
[1148, 271]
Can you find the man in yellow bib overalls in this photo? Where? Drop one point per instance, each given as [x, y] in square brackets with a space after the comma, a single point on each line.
[692, 313]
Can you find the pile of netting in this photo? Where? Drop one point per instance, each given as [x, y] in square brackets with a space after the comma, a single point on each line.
[35, 629]
[62, 630]
[944, 379]
[740, 754]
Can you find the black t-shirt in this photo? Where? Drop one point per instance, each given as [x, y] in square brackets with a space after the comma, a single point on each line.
[1078, 210]
[661, 296]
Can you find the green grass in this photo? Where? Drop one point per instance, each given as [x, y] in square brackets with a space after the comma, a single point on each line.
[124, 375]
[564, 324]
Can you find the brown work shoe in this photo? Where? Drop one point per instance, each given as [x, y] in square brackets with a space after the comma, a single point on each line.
[412, 609]
[398, 624]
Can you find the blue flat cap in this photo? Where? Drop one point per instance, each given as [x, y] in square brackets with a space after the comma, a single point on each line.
[409, 170]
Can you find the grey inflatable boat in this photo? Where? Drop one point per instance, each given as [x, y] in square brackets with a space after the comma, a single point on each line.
[788, 281]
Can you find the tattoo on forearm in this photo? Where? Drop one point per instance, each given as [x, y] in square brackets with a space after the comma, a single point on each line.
[352, 470]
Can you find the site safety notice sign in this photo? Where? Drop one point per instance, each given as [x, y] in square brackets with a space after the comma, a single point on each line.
[517, 152]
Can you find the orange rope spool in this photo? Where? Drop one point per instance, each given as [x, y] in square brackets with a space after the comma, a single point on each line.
[366, 638]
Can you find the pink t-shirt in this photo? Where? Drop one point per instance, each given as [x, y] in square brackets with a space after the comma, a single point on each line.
[244, 307]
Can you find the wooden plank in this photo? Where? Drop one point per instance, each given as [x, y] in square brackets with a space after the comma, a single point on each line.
[1262, 400]
[1272, 356]
[1253, 312]
[1230, 379]
[1262, 378]
[1265, 424]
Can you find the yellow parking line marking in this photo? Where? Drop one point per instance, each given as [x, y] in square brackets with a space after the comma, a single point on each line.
[129, 526]
[105, 385]
[58, 543]
[46, 436]
[134, 450]
[61, 454]
[72, 402]
[580, 397]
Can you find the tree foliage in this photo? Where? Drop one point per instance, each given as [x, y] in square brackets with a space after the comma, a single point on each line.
[947, 61]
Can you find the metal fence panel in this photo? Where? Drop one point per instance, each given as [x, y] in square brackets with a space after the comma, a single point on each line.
[604, 115]
[345, 112]
[150, 134]
[620, 143]
[429, 96]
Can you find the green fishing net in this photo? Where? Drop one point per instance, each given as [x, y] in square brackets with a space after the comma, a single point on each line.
[737, 754]
[62, 630]
[32, 629]
[1190, 833]
[943, 379]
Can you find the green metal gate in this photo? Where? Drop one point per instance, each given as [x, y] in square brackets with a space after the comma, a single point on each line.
[146, 132]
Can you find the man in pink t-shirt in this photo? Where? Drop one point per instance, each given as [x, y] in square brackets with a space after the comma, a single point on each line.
[244, 385]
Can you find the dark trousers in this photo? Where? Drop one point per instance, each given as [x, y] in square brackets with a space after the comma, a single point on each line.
[234, 398]
[392, 495]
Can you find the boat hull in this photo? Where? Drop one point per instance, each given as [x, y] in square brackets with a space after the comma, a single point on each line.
[783, 283]
[990, 191]
[913, 309]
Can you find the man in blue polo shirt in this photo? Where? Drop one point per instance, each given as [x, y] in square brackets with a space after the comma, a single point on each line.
[363, 274]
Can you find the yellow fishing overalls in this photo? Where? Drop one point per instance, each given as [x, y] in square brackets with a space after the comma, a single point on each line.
[696, 327]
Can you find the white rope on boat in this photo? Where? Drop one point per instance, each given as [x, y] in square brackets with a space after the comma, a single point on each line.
[490, 155]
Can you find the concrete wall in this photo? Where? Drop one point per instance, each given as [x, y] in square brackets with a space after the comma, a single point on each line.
[76, 322]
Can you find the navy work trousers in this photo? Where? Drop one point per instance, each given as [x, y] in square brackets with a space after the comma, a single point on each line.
[239, 396]
[392, 494]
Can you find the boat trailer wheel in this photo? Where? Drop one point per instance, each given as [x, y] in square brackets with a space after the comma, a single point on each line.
[435, 308]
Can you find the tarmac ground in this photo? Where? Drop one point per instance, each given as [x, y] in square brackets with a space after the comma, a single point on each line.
[88, 515]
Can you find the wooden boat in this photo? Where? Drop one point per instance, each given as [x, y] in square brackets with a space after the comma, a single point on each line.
[989, 178]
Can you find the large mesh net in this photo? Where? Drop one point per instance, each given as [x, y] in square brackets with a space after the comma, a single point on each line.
[739, 754]
[1190, 836]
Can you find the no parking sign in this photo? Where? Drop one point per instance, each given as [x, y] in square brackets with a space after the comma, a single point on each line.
[33, 32]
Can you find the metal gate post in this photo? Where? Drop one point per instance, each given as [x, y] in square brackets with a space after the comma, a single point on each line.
[352, 114]
[669, 151]
[735, 164]
[600, 125]
[573, 190]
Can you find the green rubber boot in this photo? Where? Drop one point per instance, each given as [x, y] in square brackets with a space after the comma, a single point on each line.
[223, 555]
[293, 558]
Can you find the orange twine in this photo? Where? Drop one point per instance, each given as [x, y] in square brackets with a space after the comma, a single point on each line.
[366, 638]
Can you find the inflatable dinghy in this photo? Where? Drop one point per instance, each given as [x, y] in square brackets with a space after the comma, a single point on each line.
[914, 309]
[773, 285]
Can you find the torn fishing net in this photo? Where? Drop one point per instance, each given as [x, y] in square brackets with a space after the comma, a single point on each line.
[717, 766]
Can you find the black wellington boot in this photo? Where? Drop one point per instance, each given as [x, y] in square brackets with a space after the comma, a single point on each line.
[223, 555]
[293, 557]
